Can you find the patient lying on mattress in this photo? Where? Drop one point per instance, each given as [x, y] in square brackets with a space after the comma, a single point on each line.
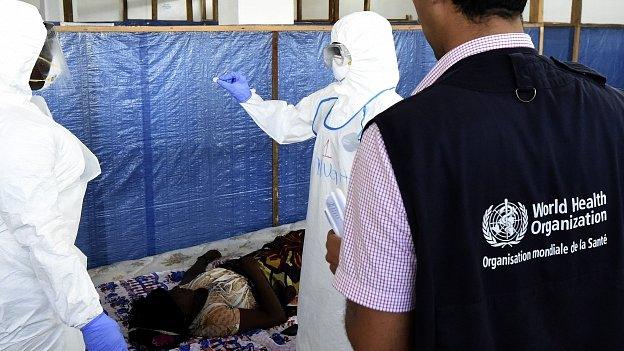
[240, 295]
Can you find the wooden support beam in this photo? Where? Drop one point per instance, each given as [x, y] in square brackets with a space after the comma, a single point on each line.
[299, 10]
[124, 8]
[275, 146]
[334, 10]
[239, 28]
[68, 11]
[541, 40]
[537, 11]
[215, 10]
[203, 10]
[576, 19]
[577, 12]
[367, 5]
[154, 10]
[189, 10]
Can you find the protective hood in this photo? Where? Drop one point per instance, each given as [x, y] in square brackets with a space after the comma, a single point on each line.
[22, 35]
[374, 67]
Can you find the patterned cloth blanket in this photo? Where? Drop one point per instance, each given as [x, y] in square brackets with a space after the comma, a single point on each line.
[117, 296]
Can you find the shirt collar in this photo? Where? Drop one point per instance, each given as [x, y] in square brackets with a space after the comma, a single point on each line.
[471, 48]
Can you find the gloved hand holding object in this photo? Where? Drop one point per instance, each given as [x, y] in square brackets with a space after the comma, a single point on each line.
[237, 85]
[103, 334]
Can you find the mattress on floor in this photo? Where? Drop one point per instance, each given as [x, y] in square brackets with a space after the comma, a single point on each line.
[184, 258]
[116, 299]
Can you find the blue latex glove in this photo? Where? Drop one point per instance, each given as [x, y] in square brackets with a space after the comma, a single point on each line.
[237, 85]
[103, 334]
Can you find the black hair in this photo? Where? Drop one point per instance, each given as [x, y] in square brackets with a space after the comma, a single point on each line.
[156, 315]
[478, 10]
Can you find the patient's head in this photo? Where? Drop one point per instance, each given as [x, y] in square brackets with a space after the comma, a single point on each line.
[162, 318]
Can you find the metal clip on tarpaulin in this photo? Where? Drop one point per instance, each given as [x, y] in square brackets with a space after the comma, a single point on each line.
[525, 88]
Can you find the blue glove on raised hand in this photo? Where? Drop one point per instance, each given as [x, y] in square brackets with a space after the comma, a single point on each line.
[103, 334]
[237, 85]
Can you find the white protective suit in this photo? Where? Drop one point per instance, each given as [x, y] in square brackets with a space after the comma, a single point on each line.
[336, 116]
[46, 293]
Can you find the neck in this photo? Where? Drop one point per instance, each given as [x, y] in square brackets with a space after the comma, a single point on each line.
[468, 30]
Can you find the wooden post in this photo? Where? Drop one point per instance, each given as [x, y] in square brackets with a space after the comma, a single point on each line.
[154, 10]
[215, 10]
[68, 11]
[275, 146]
[189, 10]
[367, 5]
[537, 11]
[124, 7]
[337, 10]
[203, 5]
[299, 10]
[541, 40]
[577, 11]
[334, 10]
[577, 15]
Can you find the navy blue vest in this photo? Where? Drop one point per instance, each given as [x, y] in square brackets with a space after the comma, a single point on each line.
[511, 170]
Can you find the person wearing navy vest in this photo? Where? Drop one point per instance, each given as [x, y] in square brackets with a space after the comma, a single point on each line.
[486, 211]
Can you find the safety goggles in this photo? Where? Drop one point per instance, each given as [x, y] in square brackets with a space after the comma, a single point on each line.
[336, 52]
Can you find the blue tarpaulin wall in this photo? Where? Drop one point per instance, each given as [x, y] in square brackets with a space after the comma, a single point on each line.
[600, 48]
[182, 163]
[603, 50]
[558, 42]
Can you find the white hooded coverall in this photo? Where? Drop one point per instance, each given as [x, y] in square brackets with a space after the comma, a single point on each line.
[336, 116]
[46, 293]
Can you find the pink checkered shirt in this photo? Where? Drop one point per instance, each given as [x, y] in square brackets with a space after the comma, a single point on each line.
[473, 47]
[377, 260]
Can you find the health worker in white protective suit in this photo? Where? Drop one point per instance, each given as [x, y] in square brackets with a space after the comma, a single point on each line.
[47, 299]
[363, 58]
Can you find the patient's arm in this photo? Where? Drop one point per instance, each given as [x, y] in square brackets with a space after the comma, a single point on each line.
[200, 266]
[269, 312]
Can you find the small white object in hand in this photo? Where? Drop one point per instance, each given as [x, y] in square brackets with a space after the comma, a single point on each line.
[215, 79]
[335, 210]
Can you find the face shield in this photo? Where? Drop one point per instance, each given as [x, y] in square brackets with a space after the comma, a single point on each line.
[50, 66]
[337, 56]
[336, 53]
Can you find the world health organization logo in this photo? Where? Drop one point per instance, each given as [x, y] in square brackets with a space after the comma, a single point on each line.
[505, 224]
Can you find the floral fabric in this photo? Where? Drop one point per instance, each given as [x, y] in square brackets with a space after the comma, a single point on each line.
[116, 299]
[229, 291]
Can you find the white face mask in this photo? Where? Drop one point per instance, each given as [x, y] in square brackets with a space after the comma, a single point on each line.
[55, 71]
[340, 71]
[53, 74]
